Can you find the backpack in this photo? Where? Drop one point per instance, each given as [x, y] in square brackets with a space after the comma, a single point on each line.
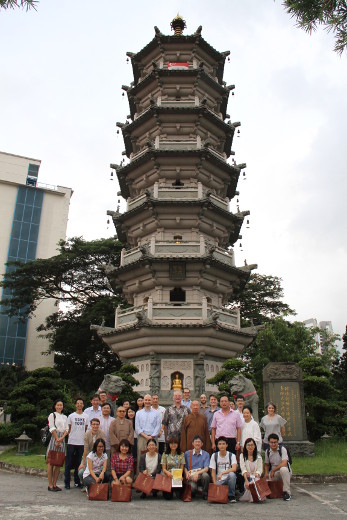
[216, 458]
[280, 452]
[45, 434]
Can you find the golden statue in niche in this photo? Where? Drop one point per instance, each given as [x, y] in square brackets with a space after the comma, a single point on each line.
[177, 383]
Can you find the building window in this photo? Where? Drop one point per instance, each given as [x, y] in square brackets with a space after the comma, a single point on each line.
[23, 244]
[177, 295]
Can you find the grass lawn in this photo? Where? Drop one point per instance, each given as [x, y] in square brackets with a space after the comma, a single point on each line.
[330, 457]
[35, 458]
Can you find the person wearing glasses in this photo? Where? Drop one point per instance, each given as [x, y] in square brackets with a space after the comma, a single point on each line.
[120, 428]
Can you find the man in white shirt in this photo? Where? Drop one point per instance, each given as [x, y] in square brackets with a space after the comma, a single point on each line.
[94, 411]
[147, 425]
[77, 423]
[161, 438]
[223, 466]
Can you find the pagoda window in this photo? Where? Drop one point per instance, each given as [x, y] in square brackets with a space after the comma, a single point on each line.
[177, 295]
[178, 184]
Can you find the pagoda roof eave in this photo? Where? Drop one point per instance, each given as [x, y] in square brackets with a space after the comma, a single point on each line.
[109, 331]
[204, 202]
[152, 154]
[205, 259]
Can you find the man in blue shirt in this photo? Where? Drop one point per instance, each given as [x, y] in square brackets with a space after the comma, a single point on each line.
[147, 425]
[186, 401]
[196, 467]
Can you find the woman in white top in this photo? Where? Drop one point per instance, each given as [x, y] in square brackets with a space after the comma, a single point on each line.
[58, 427]
[251, 465]
[150, 462]
[96, 467]
[250, 428]
[272, 423]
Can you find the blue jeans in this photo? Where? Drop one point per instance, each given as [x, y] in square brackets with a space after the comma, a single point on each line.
[73, 450]
[229, 481]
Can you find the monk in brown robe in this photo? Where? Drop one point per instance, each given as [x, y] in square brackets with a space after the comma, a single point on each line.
[195, 424]
[121, 428]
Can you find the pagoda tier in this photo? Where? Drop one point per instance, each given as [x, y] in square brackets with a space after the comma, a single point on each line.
[178, 167]
[177, 268]
[210, 275]
[165, 87]
[191, 48]
[198, 126]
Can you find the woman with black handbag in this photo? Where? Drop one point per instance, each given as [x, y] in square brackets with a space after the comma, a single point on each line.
[58, 429]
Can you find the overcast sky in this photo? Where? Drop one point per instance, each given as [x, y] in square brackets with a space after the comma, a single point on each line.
[62, 68]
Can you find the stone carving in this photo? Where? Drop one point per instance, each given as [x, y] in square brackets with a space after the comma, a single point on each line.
[283, 371]
[113, 386]
[165, 382]
[154, 374]
[188, 382]
[176, 365]
[241, 385]
[199, 374]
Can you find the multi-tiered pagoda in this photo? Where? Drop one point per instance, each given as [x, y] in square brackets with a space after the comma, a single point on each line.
[178, 269]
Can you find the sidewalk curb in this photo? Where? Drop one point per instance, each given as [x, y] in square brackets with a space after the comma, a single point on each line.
[296, 479]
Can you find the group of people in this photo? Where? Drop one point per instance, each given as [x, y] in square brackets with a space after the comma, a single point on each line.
[219, 442]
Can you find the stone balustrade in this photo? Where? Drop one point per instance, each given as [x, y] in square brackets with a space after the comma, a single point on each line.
[172, 313]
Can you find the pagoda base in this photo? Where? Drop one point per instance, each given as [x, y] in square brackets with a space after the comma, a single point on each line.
[166, 355]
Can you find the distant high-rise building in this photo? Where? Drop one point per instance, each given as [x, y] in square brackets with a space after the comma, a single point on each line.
[33, 219]
[324, 325]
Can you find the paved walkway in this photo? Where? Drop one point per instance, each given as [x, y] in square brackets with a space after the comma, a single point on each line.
[24, 498]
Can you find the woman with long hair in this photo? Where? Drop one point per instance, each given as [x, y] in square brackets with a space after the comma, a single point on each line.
[251, 465]
[58, 427]
[172, 459]
[122, 465]
[272, 423]
[150, 462]
[130, 414]
[96, 467]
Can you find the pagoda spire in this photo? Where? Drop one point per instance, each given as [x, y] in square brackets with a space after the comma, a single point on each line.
[178, 25]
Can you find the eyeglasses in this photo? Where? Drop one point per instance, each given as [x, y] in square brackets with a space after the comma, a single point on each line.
[121, 411]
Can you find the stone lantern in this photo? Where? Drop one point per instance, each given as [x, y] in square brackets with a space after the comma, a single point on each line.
[23, 444]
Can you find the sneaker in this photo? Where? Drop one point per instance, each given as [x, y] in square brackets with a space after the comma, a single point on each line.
[286, 496]
[78, 485]
[232, 500]
[84, 490]
[67, 486]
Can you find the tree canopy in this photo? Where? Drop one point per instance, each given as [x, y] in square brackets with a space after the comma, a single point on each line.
[261, 300]
[74, 276]
[23, 4]
[330, 14]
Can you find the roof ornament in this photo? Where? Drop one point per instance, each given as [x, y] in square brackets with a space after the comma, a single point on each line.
[178, 25]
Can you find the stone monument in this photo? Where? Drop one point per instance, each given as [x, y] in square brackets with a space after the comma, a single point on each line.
[177, 269]
[283, 386]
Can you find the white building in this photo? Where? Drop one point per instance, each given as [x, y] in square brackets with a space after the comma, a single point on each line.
[33, 219]
[324, 325]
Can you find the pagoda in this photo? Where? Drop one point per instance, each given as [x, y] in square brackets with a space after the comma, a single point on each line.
[177, 270]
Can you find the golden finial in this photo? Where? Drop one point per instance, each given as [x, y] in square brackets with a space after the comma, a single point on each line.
[178, 25]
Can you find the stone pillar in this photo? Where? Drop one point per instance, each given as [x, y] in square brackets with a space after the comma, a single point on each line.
[154, 375]
[283, 385]
[199, 375]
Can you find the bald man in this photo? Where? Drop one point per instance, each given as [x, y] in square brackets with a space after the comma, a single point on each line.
[195, 424]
